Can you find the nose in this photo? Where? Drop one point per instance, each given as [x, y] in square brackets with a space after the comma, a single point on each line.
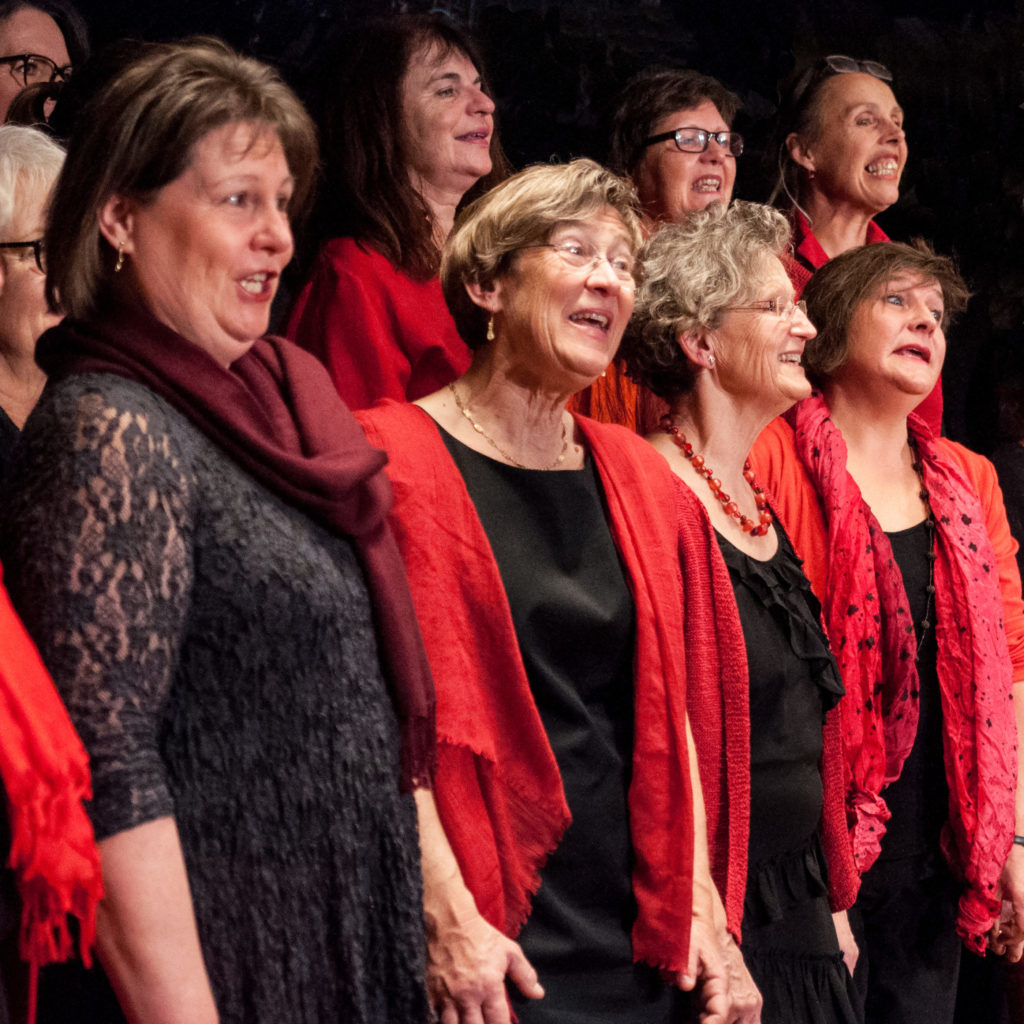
[801, 325]
[601, 276]
[275, 232]
[480, 102]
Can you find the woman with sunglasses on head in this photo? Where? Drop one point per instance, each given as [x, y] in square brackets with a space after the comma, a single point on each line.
[905, 540]
[717, 334]
[842, 149]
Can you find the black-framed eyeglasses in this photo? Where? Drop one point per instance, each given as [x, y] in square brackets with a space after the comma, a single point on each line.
[696, 140]
[37, 246]
[580, 256]
[30, 68]
[784, 308]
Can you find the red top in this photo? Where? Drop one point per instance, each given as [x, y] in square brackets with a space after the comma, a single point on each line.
[498, 788]
[808, 256]
[379, 333]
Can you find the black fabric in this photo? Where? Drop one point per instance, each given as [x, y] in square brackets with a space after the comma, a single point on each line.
[919, 799]
[574, 620]
[9, 435]
[216, 651]
[1009, 463]
[904, 922]
[789, 939]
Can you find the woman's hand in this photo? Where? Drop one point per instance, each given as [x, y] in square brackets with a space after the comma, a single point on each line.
[468, 958]
[847, 943]
[467, 963]
[1006, 937]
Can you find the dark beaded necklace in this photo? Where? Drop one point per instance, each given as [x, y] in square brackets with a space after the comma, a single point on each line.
[926, 622]
[755, 529]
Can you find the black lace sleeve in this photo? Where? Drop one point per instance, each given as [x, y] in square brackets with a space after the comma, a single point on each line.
[97, 557]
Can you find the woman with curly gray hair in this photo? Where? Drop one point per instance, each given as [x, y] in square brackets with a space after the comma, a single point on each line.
[717, 334]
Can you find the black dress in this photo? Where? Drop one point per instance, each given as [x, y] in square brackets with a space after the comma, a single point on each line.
[216, 651]
[789, 940]
[574, 621]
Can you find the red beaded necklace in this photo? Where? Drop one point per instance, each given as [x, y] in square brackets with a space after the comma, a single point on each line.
[729, 506]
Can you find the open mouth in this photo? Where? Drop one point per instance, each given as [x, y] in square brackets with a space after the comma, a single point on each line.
[793, 358]
[587, 318]
[256, 284]
[708, 183]
[915, 352]
[883, 168]
[478, 137]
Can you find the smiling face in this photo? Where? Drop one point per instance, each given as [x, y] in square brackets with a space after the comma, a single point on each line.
[448, 121]
[558, 326]
[896, 341]
[758, 352]
[206, 254]
[672, 184]
[23, 311]
[858, 157]
[27, 31]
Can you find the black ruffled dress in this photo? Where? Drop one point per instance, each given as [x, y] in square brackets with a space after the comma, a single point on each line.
[789, 940]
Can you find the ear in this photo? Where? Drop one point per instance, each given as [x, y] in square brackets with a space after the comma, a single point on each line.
[696, 347]
[799, 151]
[116, 219]
[487, 296]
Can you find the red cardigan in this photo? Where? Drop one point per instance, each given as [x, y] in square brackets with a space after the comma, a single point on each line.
[379, 333]
[498, 788]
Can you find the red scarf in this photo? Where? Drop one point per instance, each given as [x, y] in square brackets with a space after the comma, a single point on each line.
[498, 788]
[276, 413]
[873, 636]
[46, 775]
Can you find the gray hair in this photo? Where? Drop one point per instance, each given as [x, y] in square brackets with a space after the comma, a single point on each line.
[28, 159]
[692, 273]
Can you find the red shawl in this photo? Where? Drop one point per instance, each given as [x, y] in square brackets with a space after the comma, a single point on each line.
[498, 788]
[866, 613]
[46, 775]
[276, 413]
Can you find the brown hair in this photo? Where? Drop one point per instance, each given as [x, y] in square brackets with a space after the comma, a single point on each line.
[522, 211]
[137, 134]
[654, 94]
[836, 291]
[369, 196]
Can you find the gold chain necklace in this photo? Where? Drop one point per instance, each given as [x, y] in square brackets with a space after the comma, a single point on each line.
[497, 447]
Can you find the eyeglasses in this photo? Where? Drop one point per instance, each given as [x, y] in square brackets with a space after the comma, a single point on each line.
[784, 309]
[30, 68]
[578, 256]
[696, 140]
[36, 245]
[843, 65]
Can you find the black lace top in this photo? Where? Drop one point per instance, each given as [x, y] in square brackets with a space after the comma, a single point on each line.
[216, 652]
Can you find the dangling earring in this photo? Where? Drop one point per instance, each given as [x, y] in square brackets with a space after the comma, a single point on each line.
[810, 175]
[490, 329]
[711, 360]
[120, 259]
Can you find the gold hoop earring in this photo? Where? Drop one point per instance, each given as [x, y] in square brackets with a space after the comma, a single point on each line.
[490, 329]
[119, 265]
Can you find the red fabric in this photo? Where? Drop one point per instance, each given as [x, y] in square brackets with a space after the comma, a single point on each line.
[275, 413]
[46, 775]
[379, 333]
[808, 256]
[978, 610]
[498, 788]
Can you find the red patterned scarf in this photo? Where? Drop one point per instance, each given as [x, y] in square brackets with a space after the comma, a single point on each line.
[866, 612]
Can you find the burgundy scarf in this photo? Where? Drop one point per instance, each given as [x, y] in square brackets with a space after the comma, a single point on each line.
[277, 415]
[866, 611]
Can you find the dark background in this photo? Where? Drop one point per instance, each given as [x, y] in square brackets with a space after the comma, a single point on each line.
[555, 68]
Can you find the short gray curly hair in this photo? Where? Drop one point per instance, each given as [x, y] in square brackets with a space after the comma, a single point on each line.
[691, 273]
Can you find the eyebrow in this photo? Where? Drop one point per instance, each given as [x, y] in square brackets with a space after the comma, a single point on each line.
[869, 105]
[452, 76]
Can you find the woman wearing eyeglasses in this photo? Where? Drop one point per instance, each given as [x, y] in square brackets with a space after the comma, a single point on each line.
[551, 603]
[29, 165]
[672, 135]
[905, 539]
[717, 335]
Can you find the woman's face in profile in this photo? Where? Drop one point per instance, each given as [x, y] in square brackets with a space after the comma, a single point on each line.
[448, 122]
[861, 149]
[206, 254]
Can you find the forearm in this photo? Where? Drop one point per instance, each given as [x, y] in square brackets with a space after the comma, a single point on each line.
[146, 934]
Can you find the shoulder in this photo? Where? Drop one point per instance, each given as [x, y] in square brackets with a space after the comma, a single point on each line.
[980, 470]
[405, 432]
[355, 257]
